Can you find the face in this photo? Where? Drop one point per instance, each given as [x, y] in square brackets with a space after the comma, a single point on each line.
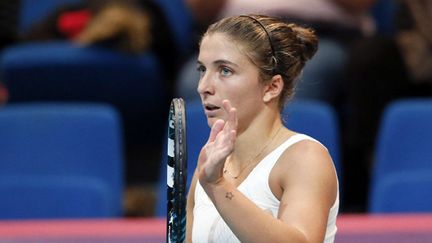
[227, 73]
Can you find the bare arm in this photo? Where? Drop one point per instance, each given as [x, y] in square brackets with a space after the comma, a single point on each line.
[189, 209]
[309, 185]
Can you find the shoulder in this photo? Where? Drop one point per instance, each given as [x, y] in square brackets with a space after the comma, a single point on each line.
[306, 163]
[305, 151]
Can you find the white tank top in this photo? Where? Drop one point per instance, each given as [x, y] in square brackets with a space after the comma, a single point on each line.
[208, 226]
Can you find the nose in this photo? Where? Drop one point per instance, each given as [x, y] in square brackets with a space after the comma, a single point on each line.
[205, 85]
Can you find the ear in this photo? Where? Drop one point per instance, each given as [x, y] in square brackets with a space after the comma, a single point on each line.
[273, 89]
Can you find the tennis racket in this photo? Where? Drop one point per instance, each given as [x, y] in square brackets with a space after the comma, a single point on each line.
[176, 172]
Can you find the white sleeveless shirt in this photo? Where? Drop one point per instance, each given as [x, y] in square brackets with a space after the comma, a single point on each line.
[208, 226]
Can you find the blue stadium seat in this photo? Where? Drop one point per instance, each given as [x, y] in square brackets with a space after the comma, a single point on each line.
[313, 118]
[404, 137]
[54, 70]
[60, 160]
[403, 146]
[402, 192]
[61, 71]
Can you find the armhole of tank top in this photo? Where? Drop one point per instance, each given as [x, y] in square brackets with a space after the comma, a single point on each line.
[284, 146]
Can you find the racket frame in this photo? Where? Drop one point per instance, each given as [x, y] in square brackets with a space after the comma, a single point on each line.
[177, 176]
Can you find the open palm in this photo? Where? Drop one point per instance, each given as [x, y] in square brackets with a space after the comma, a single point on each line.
[218, 147]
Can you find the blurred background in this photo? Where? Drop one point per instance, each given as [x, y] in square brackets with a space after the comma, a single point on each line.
[85, 88]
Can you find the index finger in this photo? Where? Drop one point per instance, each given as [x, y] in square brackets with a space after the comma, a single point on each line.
[216, 128]
[232, 116]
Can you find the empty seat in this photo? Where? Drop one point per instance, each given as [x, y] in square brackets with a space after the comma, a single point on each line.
[402, 192]
[403, 151]
[60, 161]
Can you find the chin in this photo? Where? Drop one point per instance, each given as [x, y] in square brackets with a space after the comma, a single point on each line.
[211, 121]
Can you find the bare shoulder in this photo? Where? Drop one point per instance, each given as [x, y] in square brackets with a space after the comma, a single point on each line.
[306, 154]
[305, 164]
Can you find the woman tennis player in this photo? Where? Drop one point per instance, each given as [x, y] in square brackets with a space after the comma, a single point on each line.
[257, 181]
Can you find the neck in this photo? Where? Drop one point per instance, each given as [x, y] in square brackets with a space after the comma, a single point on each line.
[257, 138]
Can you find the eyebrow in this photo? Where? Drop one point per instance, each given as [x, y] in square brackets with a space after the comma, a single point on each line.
[219, 62]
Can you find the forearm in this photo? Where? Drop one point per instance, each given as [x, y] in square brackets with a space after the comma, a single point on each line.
[248, 222]
[189, 224]
[189, 209]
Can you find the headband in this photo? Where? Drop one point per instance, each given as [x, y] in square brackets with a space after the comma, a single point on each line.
[269, 38]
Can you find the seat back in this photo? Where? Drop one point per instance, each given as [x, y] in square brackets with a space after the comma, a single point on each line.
[402, 192]
[318, 120]
[403, 152]
[404, 137]
[60, 161]
[61, 71]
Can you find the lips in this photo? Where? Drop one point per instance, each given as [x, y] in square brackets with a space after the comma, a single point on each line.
[211, 107]
[211, 110]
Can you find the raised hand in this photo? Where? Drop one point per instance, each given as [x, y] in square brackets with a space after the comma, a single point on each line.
[218, 147]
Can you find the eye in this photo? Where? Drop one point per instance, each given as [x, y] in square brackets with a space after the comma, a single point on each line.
[225, 71]
[201, 70]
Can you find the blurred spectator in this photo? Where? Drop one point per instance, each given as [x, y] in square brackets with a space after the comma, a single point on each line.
[337, 22]
[130, 26]
[381, 69]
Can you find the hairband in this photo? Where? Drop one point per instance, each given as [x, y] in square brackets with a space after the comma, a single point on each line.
[269, 37]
